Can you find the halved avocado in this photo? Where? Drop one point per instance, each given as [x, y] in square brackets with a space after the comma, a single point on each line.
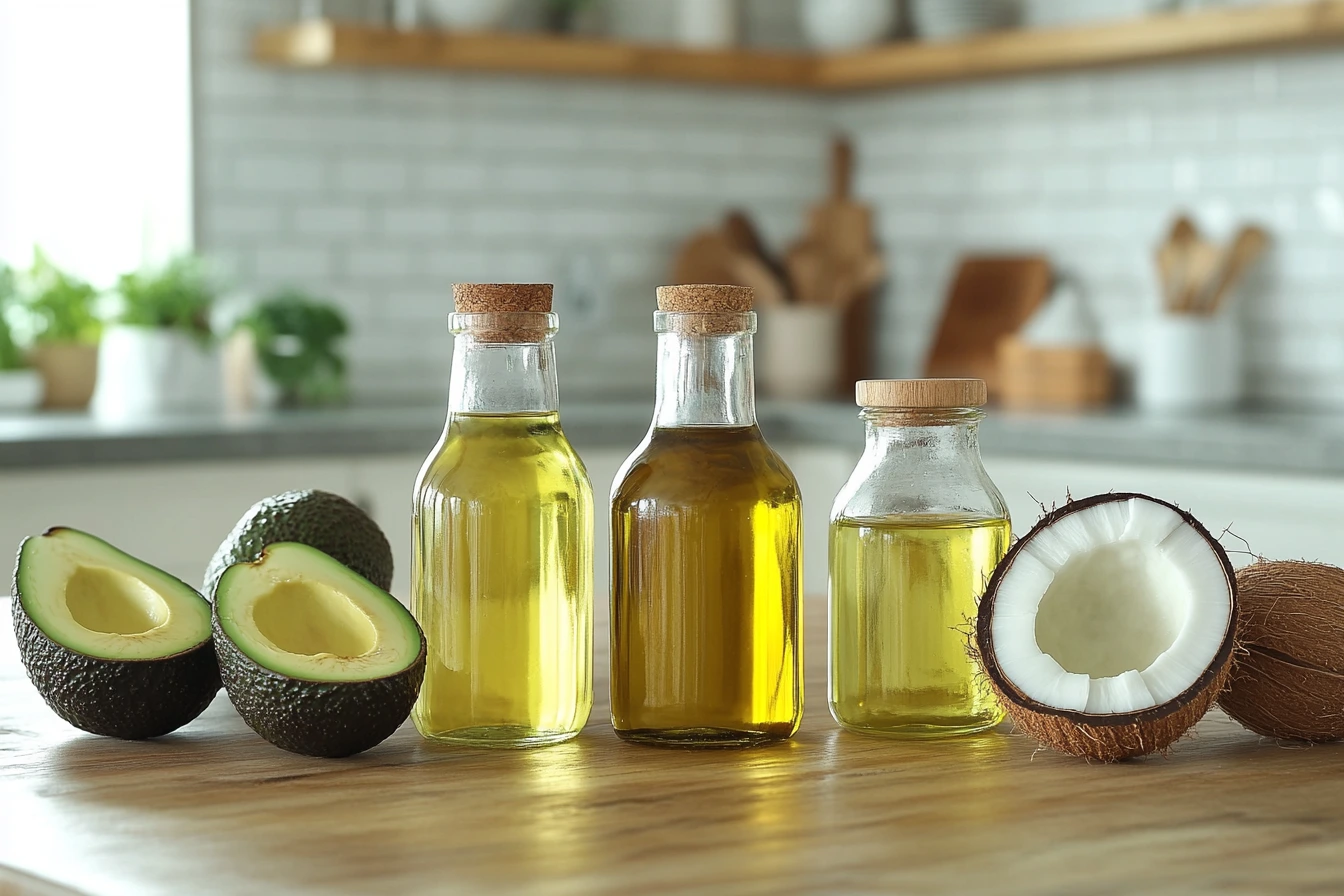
[114, 645]
[316, 658]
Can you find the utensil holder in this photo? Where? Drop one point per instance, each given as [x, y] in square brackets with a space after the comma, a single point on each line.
[799, 351]
[1190, 362]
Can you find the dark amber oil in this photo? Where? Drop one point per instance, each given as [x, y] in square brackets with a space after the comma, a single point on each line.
[706, 579]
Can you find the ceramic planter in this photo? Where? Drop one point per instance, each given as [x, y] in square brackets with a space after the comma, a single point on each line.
[69, 371]
[147, 371]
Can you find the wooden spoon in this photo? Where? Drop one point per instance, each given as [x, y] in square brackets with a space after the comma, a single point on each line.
[1246, 249]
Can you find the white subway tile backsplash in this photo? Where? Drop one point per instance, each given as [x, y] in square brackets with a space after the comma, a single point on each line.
[381, 188]
[330, 220]
[382, 176]
[277, 174]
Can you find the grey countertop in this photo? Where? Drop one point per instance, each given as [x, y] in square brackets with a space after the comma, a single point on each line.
[1249, 440]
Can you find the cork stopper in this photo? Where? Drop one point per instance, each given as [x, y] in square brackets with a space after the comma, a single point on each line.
[928, 393]
[506, 312]
[704, 298]
[488, 298]
[706, 309]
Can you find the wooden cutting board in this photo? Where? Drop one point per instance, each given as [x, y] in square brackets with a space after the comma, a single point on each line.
[991, 297]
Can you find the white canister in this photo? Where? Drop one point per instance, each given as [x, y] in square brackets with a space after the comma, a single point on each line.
[143, 371]
[799, 351]
[847, 24]
[708, 24]
[1190, 362]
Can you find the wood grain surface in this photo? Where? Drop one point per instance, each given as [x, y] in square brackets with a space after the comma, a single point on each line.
[214, 809]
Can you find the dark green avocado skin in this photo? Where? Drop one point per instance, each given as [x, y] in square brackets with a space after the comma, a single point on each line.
[317, 718]
[322, 520]
[129, 699]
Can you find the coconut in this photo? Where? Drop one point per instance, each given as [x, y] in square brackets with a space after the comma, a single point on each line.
[1107, 631]
[1288, 678]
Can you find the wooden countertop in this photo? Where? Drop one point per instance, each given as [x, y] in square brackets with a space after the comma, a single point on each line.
[214, 809]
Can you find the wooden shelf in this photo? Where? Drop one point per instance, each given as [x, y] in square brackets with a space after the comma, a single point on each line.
[321, 44]
[1129, 41]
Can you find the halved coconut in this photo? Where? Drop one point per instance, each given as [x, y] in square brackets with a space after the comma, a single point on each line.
[1107, 631]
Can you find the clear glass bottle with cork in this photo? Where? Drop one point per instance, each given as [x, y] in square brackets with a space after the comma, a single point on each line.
[706, 530]
[502, 534]
[915, 534]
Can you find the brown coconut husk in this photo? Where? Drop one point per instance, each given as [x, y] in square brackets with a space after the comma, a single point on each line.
[1288, 681]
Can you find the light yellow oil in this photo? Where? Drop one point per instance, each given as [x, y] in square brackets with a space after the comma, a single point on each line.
[502, 583]
[903, 596]
[705, 591]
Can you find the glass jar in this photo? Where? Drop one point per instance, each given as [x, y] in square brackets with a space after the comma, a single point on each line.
[501, 576]
[706, 527]
[915, 534]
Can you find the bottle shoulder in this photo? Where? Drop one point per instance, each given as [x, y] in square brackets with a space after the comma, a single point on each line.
[475, 460]
[885, 486]
[700, 464]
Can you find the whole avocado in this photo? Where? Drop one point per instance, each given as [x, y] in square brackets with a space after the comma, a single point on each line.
[333, 525]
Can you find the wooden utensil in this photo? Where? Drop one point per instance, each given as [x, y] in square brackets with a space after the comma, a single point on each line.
[991, 298]
[1172, 258]
[1200, 265]
[1250, 243]
[837, 262]
[707, 257]
[746, 239]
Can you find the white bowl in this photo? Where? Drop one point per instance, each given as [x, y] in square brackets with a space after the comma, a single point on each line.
[20, 390]
[468, 15]
[847, 24]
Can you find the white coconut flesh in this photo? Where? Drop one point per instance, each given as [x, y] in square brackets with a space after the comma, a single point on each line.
[1115, 608]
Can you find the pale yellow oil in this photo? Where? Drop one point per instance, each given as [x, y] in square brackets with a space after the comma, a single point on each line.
[904, 593]
[502, 583]
[706, 576]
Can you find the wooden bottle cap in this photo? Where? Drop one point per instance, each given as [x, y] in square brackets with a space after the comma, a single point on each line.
[928, 393]
[705, 298]
[487, 298]
[508, 310]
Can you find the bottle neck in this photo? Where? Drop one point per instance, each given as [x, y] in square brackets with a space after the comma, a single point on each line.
[943, 435]
[705, 380]
[503, 377]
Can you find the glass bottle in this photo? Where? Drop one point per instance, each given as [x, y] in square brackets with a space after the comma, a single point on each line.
[706, 530]
[502, 533]
[915, 534]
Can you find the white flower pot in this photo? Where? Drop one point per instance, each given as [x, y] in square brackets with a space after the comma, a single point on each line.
[20, 390]
[143, 371]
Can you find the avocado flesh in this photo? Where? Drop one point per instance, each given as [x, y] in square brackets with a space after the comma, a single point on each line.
[115, 646]
[335, 526]
[317, 659]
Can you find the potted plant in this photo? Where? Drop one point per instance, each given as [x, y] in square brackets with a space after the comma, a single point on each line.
[20, 386]
[158, 353]
[58, 312]
[292, 340]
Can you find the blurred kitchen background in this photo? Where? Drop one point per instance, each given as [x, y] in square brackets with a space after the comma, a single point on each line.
[231, 229]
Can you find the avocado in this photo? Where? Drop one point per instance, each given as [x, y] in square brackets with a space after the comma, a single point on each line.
[330, 523]
[315, 657]
[115, 646]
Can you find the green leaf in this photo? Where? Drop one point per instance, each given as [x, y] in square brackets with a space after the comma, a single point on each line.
[59, 307]
[178, 296]
[296, 338]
